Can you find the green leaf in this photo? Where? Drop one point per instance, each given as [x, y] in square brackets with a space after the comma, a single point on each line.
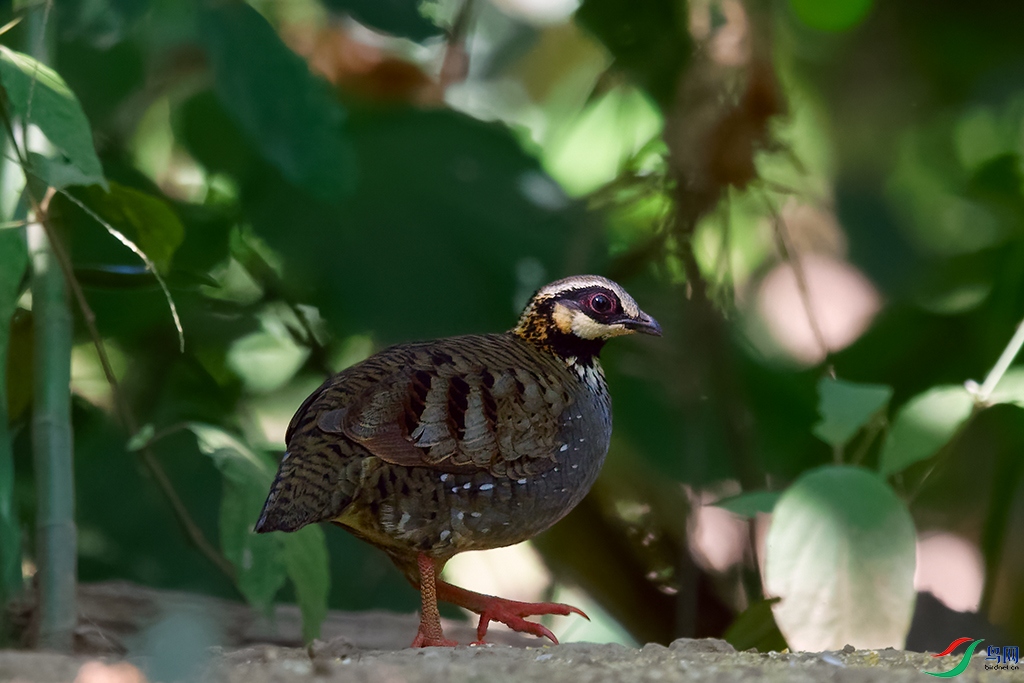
[1010, 388]
[263, 561]
[13, 261]
[840, 553]
[141, 438]
[831, 15]
[649, 40]
[923, 426]
[305, 558]
[58, 173]
[750, 503]
[37, 92]
[287, 112]
[247, 476]
[145, 219]
[845, 407]
[756, 627]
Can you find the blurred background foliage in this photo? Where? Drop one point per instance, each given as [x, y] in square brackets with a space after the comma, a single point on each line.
[799, 190]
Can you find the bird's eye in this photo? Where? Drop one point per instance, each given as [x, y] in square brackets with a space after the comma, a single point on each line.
[600, 303]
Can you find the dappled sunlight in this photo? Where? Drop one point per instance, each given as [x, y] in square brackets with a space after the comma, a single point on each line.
[950, 568]
[516, 572]
[841, 302]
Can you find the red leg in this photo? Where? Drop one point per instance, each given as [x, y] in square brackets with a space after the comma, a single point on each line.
[508, 612]
[429, 634]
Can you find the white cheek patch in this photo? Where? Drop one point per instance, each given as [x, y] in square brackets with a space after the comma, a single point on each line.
[585, 327]
[563, 318]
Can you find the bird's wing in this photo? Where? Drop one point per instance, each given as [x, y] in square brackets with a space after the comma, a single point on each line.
[458, 417]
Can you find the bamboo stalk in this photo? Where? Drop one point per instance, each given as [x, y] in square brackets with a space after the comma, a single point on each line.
[56, 555]
[52, 449]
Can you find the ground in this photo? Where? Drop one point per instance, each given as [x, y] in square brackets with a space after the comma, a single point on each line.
[370, 647]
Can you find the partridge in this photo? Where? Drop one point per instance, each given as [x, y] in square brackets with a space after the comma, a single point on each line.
[429, 449]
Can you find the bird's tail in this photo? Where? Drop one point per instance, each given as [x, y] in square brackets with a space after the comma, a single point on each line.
[307, 489]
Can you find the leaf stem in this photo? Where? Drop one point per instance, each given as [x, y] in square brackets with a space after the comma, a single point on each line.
[1002, 365]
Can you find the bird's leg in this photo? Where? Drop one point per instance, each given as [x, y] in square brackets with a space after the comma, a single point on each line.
[508, 612]
[429, 633]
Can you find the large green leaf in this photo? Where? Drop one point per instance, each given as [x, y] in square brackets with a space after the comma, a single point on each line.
[924, 425]
[1010, 388]
[845, 408]
[840, 553]
[145, 219]
[288, 113]
[263, 561]
[649, 40]
[36, 93]
[247, 478]
[305, 559]
[429, 185]
[13, 261]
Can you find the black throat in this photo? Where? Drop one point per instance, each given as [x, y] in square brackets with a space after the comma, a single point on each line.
[541, 330]
[568, 346]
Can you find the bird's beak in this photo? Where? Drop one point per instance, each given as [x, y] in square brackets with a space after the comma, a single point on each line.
[644, 324]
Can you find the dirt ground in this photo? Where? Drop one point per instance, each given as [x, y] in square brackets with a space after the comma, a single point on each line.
[131, 635]
[685, 660]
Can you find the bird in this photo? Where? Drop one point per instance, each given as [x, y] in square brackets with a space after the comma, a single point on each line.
[474, 442]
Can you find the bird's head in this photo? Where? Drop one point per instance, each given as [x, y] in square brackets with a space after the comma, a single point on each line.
[575, 316]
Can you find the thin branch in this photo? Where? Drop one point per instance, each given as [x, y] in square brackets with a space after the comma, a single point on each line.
[152, 463]
[150, 266]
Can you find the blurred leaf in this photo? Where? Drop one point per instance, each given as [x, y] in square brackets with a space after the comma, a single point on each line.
[52, 106]
[750, 503]
[650, 40]
[264, 561]
[841, 556]
[247, 478]
[1010, 388]
[289, 114]
[846, 407]
[457, 250]
[267, 359]
[831, 15]
[923, 426]
[58, 173]
[124, 276]
[305, 558]
[13, 261]
[755, 627]
[146, 219]
[141, 438]
[397, 17]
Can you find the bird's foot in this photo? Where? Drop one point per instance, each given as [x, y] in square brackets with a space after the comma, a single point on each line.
[512, 613]
[425, 640]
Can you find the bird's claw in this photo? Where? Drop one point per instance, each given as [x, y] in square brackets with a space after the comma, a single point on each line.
[512, 613]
